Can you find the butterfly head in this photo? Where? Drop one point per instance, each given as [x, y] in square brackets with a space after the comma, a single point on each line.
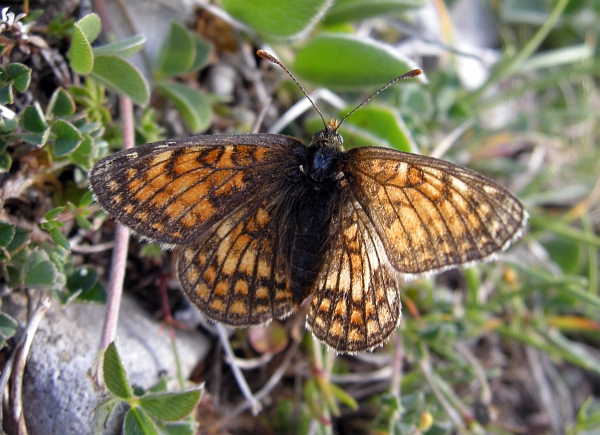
[328, 137]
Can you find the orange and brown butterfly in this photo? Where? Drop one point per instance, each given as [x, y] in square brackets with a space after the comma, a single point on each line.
[266, 222]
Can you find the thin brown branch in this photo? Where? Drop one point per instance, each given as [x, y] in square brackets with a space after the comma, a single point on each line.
[119, 259]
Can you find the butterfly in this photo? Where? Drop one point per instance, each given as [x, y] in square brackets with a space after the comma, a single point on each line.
[265, 221]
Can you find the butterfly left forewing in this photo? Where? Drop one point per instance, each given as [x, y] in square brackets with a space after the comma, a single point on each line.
[356, 303]
[432, 214]
[173, 191]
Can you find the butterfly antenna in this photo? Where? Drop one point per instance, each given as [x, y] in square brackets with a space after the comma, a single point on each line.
[270, 58]
[408, 75]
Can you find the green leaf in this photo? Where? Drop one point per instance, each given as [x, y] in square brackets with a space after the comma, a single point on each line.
[18, 240]
[80, 54]
[6, 94]
[343, 396]
[3, 75]
[381, 122]
[152, 251]
[572, 351]
[8, 328]
[90, 25]
[59, 238]
[82, 94]
[115, 376]
[33, 119]
[39, 272]
[192, 104]
[170, 406]
[202, 50]
[7, 232]
[160, 386]
[177, 54]
[354, 10]
[124, 48]
[278, 19]
[138, 423]
[68, 138]
[82, 155]
[20, 75]
[101, 414]
[52, 214]
[359, 62]
[61, 103]
[577, 54]
[8, 125]
[519, 11]
[87, 199]
[8, 325]
[180, 428]
[122, 76]
[96, 294]
[37, 139]
[5, 163]
[82, 280]
[58, 255]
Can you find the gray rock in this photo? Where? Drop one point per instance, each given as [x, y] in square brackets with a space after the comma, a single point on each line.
[59, 396]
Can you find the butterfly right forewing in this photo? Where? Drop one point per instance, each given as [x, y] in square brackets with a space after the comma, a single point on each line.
[432, 214]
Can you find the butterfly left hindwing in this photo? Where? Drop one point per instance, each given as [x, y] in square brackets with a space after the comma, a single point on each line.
[222, 197]
[235, 274]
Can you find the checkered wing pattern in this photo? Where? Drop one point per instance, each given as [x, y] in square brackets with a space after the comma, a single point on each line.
[175, 191]
[235, 275]
[402, 216]
[429, 214]
[356, 302]
[220, 198]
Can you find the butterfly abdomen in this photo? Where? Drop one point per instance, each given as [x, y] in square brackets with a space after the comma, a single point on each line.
[312, 217]
[309, 241]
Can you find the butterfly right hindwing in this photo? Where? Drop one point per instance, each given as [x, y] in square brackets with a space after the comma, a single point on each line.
[356, 302]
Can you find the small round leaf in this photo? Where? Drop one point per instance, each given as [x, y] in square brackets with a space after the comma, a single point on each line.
[115, 376]
[122, 76]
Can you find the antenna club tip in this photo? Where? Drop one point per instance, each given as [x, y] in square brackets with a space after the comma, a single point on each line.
[263, 54]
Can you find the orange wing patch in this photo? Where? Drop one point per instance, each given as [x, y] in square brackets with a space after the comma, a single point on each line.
[234, 274]
[174, 193]
[356, 303]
